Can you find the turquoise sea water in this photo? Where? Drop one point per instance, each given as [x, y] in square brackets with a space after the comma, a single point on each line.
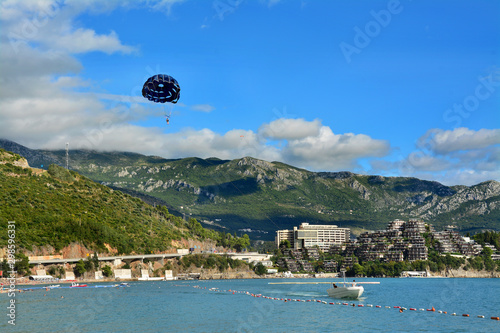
[177, 306]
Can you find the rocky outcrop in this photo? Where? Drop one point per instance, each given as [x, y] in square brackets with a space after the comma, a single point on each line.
[461, 273]
[363, 191]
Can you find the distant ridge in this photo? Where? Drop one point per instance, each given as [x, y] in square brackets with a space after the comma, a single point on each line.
[34, 157]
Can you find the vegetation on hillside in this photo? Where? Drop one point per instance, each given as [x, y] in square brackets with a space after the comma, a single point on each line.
[490, 237]
[209, 261]
[60, 207]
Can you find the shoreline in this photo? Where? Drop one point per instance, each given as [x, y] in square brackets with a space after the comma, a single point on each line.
[220, 276]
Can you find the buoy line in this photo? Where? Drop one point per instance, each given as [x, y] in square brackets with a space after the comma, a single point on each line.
[359, 305]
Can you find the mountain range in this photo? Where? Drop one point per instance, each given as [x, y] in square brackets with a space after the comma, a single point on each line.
[257, 197]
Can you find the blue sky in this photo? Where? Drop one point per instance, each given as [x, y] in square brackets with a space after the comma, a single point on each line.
[395, 88]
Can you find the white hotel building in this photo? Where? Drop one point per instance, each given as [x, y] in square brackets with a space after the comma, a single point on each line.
[323, 236]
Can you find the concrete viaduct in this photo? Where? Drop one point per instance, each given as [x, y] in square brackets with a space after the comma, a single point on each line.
[117, 260]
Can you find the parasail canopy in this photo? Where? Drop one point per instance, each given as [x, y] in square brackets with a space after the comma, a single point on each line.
[161, 88]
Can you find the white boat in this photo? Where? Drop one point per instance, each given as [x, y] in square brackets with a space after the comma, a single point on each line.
[340, 289]
[345, 289]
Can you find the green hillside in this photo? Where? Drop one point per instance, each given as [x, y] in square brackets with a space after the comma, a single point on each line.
[59, 207]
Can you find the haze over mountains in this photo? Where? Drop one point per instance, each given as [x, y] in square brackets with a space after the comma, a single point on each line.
[258, 197]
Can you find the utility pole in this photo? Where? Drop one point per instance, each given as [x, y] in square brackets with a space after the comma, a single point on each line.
[67, 155]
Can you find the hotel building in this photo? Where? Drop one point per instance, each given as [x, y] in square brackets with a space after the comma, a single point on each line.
[308, 236]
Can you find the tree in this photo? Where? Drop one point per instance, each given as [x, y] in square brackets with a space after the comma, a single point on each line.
[260, 269]
[196, 228]
[80, 268]
[4, 265]
[106, 271]
[242, 243]
[358, 270]
[89, 264]
[22, 265]
[285, 244]
[95, 260]
[52, 270]
[487, 252]
[62, 272]
[489, 264]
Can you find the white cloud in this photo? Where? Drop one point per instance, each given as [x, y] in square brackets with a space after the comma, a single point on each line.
[459, 156]
[99, 6]
[459, 139]
[49, 25]
[86, 40]
[290, 129]
[202, 107]
[452, 177]
[425, 162]
[329, 151]
[188, 142]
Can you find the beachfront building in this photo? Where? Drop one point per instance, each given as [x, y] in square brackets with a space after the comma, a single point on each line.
[310, 236]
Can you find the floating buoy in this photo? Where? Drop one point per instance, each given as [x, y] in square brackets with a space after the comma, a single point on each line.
[401, 308]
